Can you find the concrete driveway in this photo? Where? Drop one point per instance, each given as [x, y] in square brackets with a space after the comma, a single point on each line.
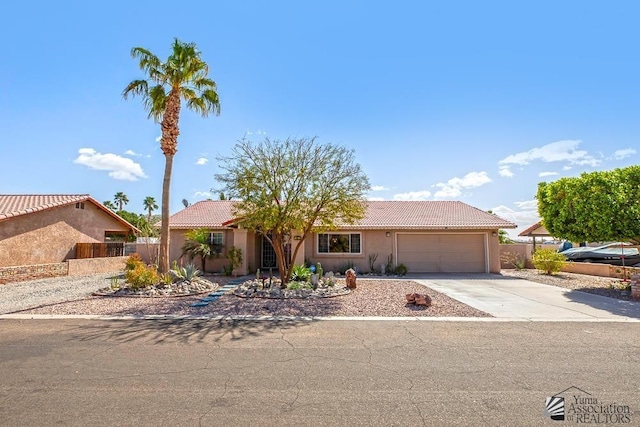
[518, 299]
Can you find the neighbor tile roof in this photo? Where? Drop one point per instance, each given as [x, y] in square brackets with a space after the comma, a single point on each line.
[425, 215]
[536, 229]
[13, 205]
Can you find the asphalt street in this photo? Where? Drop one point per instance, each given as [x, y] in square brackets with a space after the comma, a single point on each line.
[286, 373]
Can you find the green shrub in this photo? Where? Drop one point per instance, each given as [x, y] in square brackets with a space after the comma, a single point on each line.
[295, 285]
[235, 258]
[133, 261]
[401, 270]
[548, 260]
[142, 276]
[300, 273]
[166, 279]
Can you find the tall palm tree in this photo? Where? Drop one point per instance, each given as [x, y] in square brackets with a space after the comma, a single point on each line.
[182, 77]
[121, 199]
[150, 205]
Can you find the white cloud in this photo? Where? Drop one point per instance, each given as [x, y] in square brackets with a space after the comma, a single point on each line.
[559, 151]
[506, 172]
[528, 204]
[133, 153]
[158, 138]
[119, 167]
[378, 188]
[412, 195]
[524, 217]
[542, 174]
[622, 154]
[453, 187]
[202, 194]
[202, 161]
[375, 199]
[567, 168]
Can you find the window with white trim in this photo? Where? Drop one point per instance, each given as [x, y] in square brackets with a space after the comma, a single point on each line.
[216, 238]
[339, 243]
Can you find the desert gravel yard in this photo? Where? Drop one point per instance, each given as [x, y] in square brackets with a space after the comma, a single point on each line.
[372, 297]
[604, 286]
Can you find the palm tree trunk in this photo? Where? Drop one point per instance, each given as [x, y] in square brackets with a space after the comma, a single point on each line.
[169, 146]
[164, 228]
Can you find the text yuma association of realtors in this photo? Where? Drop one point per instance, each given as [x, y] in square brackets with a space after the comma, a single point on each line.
[589, 410]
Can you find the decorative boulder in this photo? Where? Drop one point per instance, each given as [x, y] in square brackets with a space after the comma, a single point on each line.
[350, 278]
[424, 300]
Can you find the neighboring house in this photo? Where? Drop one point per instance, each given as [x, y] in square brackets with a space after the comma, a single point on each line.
[45, 228]
[426, 236]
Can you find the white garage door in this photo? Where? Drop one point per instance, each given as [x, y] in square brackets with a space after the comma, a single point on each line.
[442, 253]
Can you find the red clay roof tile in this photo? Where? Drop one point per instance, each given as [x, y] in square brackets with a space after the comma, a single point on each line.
[425, 215]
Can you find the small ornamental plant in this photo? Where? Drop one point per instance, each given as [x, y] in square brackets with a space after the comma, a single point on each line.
[548, 260]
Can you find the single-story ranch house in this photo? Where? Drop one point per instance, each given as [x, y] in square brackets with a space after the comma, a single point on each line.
[45, 228]
[425, 236]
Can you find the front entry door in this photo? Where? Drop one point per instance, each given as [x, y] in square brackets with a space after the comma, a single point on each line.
[268, 255]
[269, 259]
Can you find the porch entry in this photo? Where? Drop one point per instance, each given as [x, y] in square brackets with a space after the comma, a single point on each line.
[268, 255]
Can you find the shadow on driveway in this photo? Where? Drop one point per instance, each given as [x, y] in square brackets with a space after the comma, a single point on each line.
[612, 305]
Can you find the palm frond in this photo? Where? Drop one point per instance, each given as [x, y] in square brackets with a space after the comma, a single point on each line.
[206, 103]
[136, 87]
[204, 83]
[156, 102]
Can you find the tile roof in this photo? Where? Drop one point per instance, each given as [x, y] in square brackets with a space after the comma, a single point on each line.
[205, 214]
[536, 229]
[435, 215]
[13, 205]
[418, 215]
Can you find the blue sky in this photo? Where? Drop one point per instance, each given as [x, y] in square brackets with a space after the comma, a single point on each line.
[470, 101]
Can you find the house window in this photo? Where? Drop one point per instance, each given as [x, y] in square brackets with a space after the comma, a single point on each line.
[216, 238]
[80, 205]
[339, 243]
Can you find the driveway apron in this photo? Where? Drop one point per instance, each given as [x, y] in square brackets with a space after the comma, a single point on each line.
[524, 300]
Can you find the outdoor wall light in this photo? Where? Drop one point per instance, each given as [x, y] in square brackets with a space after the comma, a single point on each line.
[388, 234]
[494, 234]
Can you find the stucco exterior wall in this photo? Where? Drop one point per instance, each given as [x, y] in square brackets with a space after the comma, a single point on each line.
[82, 267]
[213, 264]
[376, 242]
[50, 236]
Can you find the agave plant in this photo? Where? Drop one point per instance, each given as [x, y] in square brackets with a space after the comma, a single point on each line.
[187, 273]
[300, 273]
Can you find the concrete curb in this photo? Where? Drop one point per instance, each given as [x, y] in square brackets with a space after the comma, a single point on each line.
[308, 319]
